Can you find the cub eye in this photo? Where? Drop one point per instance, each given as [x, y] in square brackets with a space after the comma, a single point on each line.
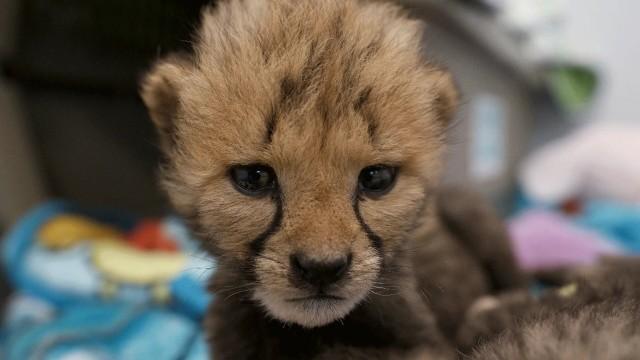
[376, 180]
[253, 180]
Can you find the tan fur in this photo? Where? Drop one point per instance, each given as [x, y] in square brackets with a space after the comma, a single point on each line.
[317, 90]
[320, 142]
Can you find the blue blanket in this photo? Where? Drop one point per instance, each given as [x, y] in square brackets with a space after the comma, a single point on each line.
[102, 285]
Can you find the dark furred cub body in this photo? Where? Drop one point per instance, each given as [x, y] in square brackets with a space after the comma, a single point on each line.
[391, 325]
[595, 315]
[303, 141]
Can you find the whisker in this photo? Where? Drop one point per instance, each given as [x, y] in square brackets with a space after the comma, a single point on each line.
[236, 293]
[273, 260]
[383, 295]
[244, 287]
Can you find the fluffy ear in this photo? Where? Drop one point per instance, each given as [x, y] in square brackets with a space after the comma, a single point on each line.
[447, 96]
[159, 90]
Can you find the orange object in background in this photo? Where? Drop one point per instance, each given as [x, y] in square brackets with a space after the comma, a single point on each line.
[149, 235]
[572, 206]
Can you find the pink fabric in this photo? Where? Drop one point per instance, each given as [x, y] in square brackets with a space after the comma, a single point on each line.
[543, 239]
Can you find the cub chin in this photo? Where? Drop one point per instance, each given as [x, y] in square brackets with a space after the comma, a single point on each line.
[303, 142]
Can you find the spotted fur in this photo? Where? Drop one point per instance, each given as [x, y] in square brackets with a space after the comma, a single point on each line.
[594, 315]
[317, 90]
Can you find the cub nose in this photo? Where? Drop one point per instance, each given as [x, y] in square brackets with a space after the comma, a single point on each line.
[319, 273]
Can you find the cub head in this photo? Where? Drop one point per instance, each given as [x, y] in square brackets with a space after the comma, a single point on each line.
[302, 139]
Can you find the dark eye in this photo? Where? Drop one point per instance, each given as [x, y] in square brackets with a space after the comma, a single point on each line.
[376, 180]
[253, 180]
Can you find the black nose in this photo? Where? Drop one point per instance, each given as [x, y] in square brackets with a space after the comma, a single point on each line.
[319, 273]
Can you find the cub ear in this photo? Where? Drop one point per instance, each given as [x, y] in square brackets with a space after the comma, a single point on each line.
[160, 89]
[447, 95]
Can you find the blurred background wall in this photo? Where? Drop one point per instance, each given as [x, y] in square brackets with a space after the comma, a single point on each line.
[607, 33]
[21, 183]
[72, 125]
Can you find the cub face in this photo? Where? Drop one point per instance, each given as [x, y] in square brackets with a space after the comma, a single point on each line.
[302, 138]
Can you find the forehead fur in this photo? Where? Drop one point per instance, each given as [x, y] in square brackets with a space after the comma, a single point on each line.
[341, 67]
[326, 48]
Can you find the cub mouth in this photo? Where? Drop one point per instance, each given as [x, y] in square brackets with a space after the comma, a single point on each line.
[318, 297]
[315, 310]
[313, 293]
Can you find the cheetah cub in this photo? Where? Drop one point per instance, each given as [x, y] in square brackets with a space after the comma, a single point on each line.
[303, 143]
